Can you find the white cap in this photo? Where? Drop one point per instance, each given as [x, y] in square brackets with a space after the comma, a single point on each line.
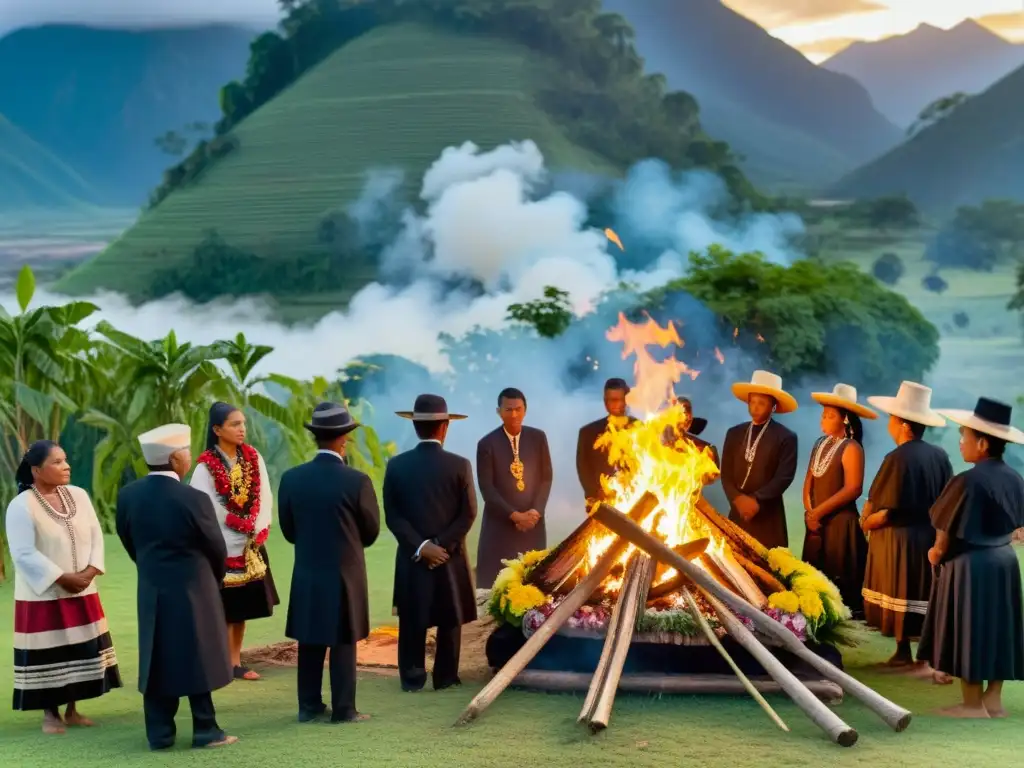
[158, 444]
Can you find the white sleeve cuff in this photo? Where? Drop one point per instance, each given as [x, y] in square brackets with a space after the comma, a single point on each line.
[419, 548]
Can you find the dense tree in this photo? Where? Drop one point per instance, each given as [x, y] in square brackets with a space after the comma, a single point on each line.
[549, 316]
[934, 283]
[896, 211]
[888, 268]
[979, 237]
[96, 393]
[937, 111]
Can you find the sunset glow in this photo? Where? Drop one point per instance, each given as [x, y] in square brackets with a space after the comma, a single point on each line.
[819, 35]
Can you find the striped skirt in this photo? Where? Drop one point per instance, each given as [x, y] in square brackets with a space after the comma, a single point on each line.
[62, 652]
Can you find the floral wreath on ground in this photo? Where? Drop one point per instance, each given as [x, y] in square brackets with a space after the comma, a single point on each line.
[239, 495]
[810, 606]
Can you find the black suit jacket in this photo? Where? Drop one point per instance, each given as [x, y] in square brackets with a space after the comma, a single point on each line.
[170, 531]
[429, 496]
[499, 537]
[329, 512]
[592, 462]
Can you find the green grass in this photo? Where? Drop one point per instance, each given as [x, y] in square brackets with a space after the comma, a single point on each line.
[520, 728]
[32, 178]
[395, 97]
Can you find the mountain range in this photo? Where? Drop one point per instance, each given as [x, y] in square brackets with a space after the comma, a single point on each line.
[974, 154]
[907, 72]
[99, 98]
[792, 121]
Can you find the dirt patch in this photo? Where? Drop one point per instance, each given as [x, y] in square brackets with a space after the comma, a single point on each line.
[379, 652]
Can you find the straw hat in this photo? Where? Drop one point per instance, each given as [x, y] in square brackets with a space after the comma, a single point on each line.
[989, 417]
[844, 396]
[766, 383]
[912, 403]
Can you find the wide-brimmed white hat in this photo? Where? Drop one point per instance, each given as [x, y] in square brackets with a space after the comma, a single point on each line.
[912, 403]
[989, 417]
[766, 383]
[844, 396]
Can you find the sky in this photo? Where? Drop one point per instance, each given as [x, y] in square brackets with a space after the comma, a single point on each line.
[818, 28]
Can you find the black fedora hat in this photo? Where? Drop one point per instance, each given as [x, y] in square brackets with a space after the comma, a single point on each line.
[989, 417]
[430, 408]
[331, 419]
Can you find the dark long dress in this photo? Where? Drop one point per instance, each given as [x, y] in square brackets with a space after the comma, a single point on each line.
[591, 462]
[499, 537]
[898, 577]
[974, 629]
[838, 549]
[770, 475]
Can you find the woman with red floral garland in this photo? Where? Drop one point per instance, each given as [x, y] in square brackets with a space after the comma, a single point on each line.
[232, 473]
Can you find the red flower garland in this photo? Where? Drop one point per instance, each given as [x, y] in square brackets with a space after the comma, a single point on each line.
[240, 518]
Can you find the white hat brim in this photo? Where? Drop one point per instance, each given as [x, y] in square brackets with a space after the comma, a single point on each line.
[786, 402]
[829, 399]
[971, 421]
[890, 405]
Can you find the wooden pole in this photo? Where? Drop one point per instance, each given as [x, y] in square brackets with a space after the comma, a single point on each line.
[709, 633]
[641, 575]
[895, 716]
[611, 637]
[569, 605]
[823, 717]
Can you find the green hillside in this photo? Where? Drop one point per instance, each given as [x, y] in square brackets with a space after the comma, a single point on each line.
[31, 177]
[395, 97]
[977, 153]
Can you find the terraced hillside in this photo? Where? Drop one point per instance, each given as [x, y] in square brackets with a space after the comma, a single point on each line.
[31, 177]
[395, 97]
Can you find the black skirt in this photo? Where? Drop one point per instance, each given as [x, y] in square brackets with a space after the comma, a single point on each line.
[975, 624]
[255, 600]
[898, 579]
[840, 551]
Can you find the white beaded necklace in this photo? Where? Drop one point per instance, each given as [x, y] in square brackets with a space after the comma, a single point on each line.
[822, 460]
[750, 451]
[68, 502]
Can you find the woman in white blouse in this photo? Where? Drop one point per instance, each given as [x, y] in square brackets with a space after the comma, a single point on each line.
[63, 653]
[232, 473]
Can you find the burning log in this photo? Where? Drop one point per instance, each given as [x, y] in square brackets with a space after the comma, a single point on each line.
[895, 716]
[716, 571]
[764, 578]
[739, 577]
[597, 708]
[561, 570]
[572, 603]
[713, 639]
[742, 541]
[690, 550]
[823, 717]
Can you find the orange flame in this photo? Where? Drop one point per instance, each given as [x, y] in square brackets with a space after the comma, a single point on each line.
[610, 234]
[719, 356]
[653, 453]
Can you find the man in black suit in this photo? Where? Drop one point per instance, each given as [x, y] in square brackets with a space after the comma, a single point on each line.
[430, 506]
[591, 462]
[329, 512]
[513, 468]
[170, 531]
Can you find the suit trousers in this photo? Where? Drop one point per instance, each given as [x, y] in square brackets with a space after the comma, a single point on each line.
[159, 712]
[343, 680]
[412, 656]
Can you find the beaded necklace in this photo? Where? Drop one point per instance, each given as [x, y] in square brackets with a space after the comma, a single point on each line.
[750, 451]
[64, 518]
[826, 451]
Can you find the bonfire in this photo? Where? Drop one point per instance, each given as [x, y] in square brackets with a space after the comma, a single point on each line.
[656, 563]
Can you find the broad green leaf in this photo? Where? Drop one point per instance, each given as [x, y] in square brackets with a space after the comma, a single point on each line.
[25, 287]
[271, 409]
[38, 405]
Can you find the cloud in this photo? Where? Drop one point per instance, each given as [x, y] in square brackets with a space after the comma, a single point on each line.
[137, 13]
[772, 14]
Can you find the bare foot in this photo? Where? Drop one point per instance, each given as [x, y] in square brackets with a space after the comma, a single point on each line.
[227, 740]
[76, 720]
[53, 725]
[962, 711]
[994, 707]
[941, 678]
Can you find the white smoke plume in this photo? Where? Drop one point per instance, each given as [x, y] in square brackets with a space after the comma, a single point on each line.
[485, 219]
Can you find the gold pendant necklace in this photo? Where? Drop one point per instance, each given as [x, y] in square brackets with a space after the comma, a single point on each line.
[516, 467]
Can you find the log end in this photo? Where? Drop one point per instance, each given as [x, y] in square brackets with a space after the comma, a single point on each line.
[596, 727]
[465, 718]
[902, 722]
[847, 737]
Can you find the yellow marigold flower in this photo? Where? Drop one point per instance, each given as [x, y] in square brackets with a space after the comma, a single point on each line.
[811, 606]
[786, 602]
[505, 578]
[781, 561]
[534, 557]
[523, 597]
